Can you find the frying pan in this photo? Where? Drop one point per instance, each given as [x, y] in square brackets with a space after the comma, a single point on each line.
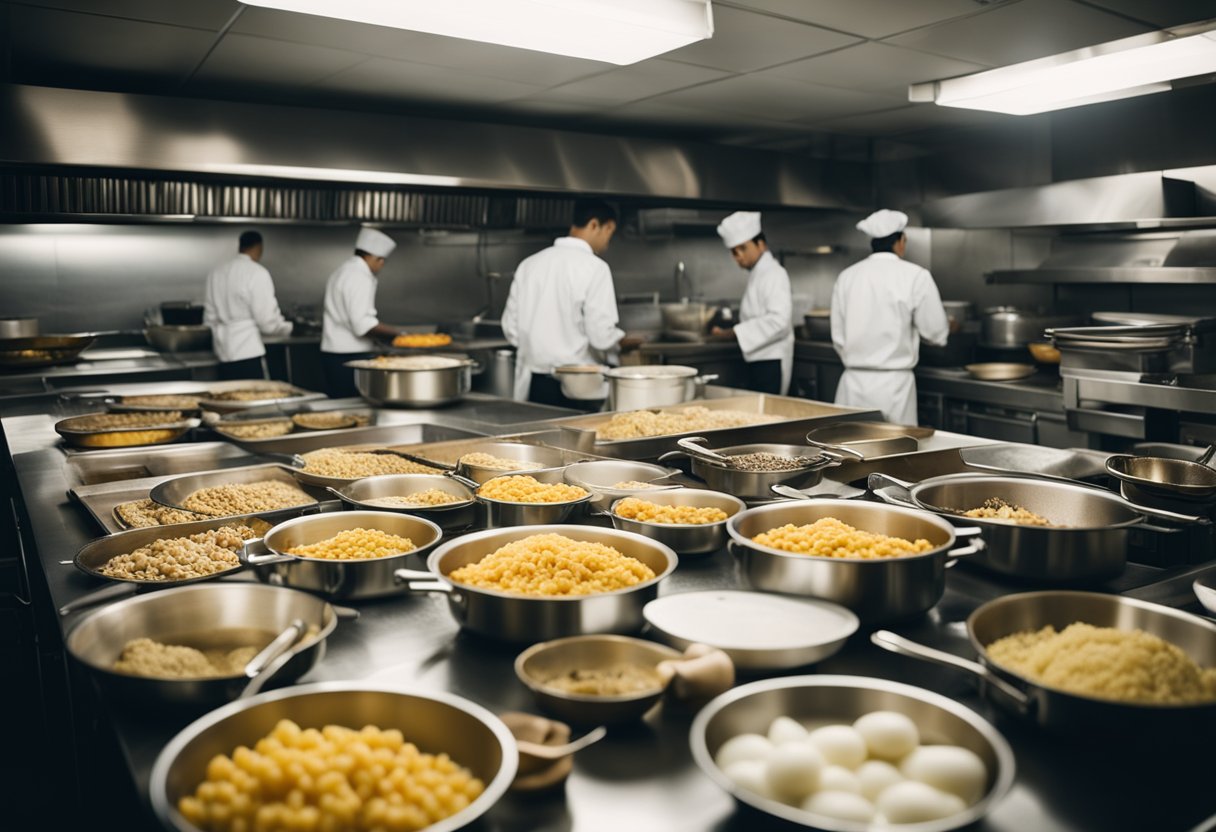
[1000, 371]
[1163, 477]
[1059, 710]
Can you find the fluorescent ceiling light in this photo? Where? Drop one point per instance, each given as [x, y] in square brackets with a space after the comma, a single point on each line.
[1124, 68]
[614, 31]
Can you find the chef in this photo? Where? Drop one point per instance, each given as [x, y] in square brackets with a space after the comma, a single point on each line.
[240, 307]
[882, 308]
[562, 308]
[765, 331]
[350, 324]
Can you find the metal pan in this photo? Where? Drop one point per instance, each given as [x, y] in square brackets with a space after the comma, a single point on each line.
[756, 485]
[295, 465]
[544, 464]
[684, 538]
[522, 618]
[600, 475]
[1090, 542]
[502, 514]
[275, 394]
[1000, 371]
[871, 439]
[349, 580]
[1170, 478]
[1059, 710]
[449, 516]
[173, 492]
[43, 350]
[156, 433]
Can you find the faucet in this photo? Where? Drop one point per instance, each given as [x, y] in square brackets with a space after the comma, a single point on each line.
[678, 278]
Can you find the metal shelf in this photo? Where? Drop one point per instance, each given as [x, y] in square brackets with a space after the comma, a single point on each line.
[1172, 275]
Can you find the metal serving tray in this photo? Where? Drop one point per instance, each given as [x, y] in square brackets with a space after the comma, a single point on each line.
[172, 492]
[94, 467]
[797, 416]
[379, 436]
[222, 406]
[100, 500]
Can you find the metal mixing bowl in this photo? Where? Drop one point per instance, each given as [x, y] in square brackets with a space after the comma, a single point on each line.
[684, 538]
[842, 699]
[598, 475]
[435, 722]
[448, 516]
[543, 661]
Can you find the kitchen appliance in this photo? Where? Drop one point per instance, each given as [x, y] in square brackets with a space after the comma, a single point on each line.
[181, 313]
[644, 386]
[1010, 327]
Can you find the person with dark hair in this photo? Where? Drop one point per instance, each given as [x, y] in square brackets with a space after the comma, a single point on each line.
[350, 323]
[882, 308]
[562, 309]
[765, 331]
[240, 307]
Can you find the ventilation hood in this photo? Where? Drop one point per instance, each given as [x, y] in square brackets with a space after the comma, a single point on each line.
[1159, 257]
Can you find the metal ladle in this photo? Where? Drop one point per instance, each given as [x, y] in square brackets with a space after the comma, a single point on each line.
[271, 658]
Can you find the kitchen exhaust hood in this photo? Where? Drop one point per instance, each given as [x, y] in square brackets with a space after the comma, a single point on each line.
[1162, 257]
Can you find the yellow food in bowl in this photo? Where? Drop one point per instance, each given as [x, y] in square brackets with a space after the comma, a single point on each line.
[828, 537]
[1107, 663]
[125, 438]
[615, 680]
[332, 778]
[355, 544]
[644, 511]
[422, 339]
[419, 499]
[554, 565]
[524, 489]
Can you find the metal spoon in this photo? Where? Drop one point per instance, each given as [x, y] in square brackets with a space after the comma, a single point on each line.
[556, 752]
[271, 658]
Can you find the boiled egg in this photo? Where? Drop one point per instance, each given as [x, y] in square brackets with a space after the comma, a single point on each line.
[875, 777]
[839, 779]
[785, 729]
[750, 775]
[915, 802]
[958, 771]
[840, 745]
[840, 805]
[888, 735]
[793, 771]
[743, 747]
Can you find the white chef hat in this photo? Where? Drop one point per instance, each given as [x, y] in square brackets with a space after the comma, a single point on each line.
[883, 223]
[375, 242]
[739, 227]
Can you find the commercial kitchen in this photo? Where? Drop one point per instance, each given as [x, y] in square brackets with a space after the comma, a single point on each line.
[681, 415]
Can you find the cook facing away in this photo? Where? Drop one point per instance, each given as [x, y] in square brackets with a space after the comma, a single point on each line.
[765, 331]
[882, 308]
[240, 307]
[350, 323]
[562, 308]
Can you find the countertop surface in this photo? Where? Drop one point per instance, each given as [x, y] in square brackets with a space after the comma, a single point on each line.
[642, 777]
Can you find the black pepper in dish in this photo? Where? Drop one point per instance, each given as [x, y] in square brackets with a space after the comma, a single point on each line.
[769, 462]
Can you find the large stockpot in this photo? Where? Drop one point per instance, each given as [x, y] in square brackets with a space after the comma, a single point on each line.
[757, 485]
[878, 589]
[684, 538]
[447, 516]
[1009, 326]
[525, 618]
[751, 709]
[1089, 544]
[436, 723]
[653, 385]
[404, 387]
[203, 616]
[1055, 709]
[348, 580]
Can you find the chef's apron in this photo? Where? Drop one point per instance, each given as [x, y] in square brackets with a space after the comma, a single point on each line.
[891, 391]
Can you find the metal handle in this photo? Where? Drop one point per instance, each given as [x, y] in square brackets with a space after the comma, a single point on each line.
[878, 483]
[422, 460]
[840, 450]
[788, 491]
[888, 640]
[673, 455]
[692, 445]
[280, 644]
[419, 580]
[701, 382]
[292, 462]
[259, 681]
[977, 544]
[107, 593]
[256, 553]
[463, 480]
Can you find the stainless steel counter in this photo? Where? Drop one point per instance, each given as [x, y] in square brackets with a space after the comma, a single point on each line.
[642, 777]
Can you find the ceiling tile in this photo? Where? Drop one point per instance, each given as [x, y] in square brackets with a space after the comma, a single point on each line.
[488, 59]
[105, 44]
[263, 61]
[631, 83]
[653, 113]
[874, 67]
[765, 95]
[1016, 32]
[912, 118]
[867, 18]
[421, 82]
[199, 14]
[1162, 12]
[744, 41]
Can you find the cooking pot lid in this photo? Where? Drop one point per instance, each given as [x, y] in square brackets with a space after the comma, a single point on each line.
[644, 371]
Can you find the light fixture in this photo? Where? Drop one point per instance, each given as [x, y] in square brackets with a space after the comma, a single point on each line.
[614, 31]
[1138, 65]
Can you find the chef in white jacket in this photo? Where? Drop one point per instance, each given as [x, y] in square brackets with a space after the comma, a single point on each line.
[882, 308]
[350, 323]
[240, 307]
[562, 309]
[765, 331]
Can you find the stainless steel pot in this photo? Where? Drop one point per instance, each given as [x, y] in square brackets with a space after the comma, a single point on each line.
[1009, 326]
[449, 516]
[179, 338]
[600, 475]
[19, 328]
[751, 708]
[757, 485]
[435, 722]
[1073, 713]
[414, 388]
[880, 589]
[501, 514]
[1089, 543]
[205, 616]
[523, 618]
[653, 385]
[349, 580]
[684, 538]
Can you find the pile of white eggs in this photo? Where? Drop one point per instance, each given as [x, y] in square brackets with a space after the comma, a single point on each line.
[874, 770]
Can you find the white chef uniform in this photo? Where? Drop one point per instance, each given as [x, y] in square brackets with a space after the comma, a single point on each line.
[240, 307]
[561, 310]
[882, 308]
[765, 330]
[350, 298]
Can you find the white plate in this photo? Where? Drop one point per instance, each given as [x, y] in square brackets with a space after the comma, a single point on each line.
[758, 630]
